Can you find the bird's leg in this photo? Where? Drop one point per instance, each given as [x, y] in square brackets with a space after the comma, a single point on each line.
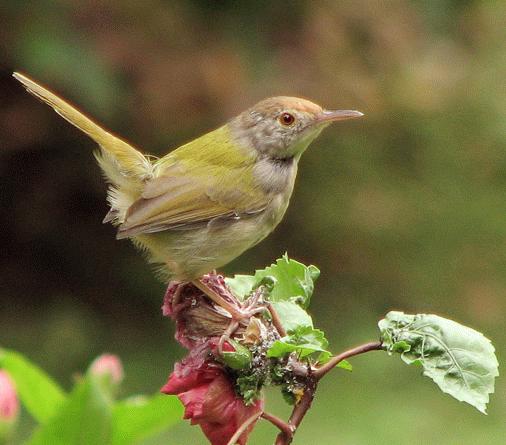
[238, 313]
[235, 312]
[232, 327]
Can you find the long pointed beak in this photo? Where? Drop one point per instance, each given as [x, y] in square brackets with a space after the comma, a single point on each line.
[338, 115]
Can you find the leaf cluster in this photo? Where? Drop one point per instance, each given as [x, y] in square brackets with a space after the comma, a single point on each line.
[460, 360]
[288, 286]
[88, 413]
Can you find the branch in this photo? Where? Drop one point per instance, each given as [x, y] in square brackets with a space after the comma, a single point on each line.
[299, 411]
[334, 361]
[276, 321]
[313, 377]
[283, 426]
[240, 431]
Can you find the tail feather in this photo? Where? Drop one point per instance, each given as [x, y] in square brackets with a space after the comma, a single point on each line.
[130, 161]
[124, 167]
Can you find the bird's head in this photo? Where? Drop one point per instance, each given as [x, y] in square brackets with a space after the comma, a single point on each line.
[282, 127]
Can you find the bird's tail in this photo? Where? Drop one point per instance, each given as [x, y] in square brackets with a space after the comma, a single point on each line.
[124, 166]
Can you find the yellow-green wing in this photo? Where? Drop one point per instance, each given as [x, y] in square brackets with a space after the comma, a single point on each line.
[197, 183]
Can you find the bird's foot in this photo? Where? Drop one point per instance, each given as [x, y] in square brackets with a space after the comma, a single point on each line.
[227, 334]
[240, 313]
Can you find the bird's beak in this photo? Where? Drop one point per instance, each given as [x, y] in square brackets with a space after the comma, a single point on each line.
[327, 116]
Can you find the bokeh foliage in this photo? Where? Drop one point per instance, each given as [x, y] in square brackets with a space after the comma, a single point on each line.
[405, 209]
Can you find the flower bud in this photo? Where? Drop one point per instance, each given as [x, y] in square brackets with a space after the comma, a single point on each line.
[109, 366]
[236, 356]
[9, 406]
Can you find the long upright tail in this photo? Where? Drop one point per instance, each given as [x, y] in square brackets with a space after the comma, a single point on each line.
[130, 160]
[124, 166]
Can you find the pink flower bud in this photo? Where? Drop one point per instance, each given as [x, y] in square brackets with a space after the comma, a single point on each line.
[9, 404]
[108, 365]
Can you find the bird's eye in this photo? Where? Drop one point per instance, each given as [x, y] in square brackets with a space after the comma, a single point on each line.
[286, 119]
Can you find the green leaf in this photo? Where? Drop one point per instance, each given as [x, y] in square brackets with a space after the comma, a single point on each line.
[138, 418]
[304, 341]
[84, 419]
[292, 281]
[401, 346]
[345, 364]
[324, 357]
[40, 394]
[249, 387]
[289, 285]
[292, 316]
[241, 285]
[460, 360]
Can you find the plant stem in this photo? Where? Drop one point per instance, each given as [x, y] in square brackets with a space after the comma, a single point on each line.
[276, 321]
[240, 431]
[299, 411]
[283, 426]
[334, 361]
[312, 379]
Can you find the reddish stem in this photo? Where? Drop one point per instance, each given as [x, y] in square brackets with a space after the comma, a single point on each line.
[334, 361]
[283, 426]
[276, 321]
[313, 377]
[299, 412]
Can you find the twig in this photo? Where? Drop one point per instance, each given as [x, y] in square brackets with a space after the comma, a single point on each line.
[321, 371]
[283, 426]
[299, 412]
[276, 321]
[312, 379]
[240, 431]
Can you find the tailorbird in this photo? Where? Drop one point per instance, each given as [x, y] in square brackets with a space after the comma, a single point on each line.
[206, 202]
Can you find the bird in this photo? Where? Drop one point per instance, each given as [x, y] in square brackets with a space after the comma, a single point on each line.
[206, 202]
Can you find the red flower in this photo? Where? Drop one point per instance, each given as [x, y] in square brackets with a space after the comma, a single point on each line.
[201, 380]
[208, 396]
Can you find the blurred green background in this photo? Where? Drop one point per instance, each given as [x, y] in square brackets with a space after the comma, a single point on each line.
[404, 209]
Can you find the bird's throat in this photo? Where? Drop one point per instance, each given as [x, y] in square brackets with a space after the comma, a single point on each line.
[275, 175]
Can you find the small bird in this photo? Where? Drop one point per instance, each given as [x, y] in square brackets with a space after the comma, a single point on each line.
[206, 202]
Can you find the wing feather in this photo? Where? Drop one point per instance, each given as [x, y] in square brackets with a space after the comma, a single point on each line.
[186, 194]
